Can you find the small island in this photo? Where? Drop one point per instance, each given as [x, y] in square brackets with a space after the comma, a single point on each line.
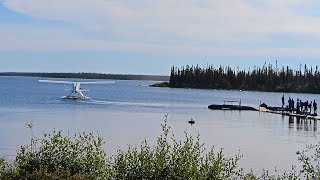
[161, 84]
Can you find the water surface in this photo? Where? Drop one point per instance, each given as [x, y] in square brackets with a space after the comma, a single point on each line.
[128, 112]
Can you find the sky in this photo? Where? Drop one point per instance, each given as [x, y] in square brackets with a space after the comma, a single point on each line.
[148, 37]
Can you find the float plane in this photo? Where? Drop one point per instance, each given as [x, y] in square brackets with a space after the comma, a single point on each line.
[76, 93]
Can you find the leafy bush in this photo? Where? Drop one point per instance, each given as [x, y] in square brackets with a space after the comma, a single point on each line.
[81, 156]
[310, 158]
[60, 156]
[3, 166]
[175, 160]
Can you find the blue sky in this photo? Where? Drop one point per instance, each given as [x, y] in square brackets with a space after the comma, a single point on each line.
[148, 37]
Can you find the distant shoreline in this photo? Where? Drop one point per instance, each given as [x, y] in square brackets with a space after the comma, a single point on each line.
[166, 84]
[89, 76]
[161, 84]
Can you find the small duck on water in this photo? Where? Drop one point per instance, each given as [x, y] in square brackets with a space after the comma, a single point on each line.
[191, 122]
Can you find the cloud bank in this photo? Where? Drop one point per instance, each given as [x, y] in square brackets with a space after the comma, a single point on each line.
[220, 27]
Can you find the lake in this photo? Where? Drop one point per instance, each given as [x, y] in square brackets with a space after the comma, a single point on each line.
[127, 112]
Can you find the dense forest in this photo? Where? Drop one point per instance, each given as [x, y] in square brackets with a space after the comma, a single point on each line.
[90, 76]
[266, 78]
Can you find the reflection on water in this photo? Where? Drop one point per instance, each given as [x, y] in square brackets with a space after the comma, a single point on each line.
[303, 124]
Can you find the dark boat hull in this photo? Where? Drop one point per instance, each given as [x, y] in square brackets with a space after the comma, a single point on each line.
[230, 107]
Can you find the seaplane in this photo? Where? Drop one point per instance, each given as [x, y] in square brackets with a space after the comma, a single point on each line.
[76, 92]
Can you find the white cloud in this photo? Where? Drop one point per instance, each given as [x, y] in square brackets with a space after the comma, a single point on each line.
[206, 26]
[23, 44]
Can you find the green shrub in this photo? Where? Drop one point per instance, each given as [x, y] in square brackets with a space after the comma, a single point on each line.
[3, 166]
[310, 158]
[172, 159]
[54, 154]
[81, 156]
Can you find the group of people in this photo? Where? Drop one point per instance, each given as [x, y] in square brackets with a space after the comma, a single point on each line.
[301, 107]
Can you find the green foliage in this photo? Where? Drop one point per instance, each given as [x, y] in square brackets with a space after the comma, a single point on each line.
[265, 78]
[172, 159]
[3, 166]
[310, 158]
[81, 156]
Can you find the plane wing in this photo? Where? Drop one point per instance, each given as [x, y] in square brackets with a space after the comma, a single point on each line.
[72, 82]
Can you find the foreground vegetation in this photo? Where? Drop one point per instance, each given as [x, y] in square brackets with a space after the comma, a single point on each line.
[265, 78]
[81, 156]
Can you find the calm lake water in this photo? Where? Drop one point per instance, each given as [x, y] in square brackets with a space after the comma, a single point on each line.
[128, 112]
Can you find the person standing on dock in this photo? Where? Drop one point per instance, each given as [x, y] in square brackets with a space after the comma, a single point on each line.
[282, 100]
[289, 104]
[306, 105]
[292, 105]
[310, 106]
[298, 106]
[315, 107]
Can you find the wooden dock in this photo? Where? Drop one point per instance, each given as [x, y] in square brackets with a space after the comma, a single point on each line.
[229, 105]
[286, 113]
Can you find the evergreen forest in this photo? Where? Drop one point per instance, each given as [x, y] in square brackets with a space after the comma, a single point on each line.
[266, 78]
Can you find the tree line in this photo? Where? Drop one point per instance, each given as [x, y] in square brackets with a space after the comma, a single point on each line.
[266, 78]
[84, 75]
